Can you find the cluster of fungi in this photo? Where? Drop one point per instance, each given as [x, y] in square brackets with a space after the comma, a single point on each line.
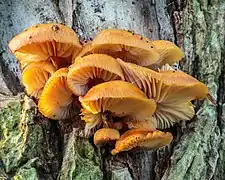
[126, 88]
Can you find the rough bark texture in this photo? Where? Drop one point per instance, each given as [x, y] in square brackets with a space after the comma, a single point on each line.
[32, 147]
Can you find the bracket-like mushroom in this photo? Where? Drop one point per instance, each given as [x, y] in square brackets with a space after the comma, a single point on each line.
[91, 70]
[172, 90]
[168, 51]
[54, 42]
[126, 45]
[56, 100]
[105, 135]
[118, 97]
[144, 138]
[35, 76]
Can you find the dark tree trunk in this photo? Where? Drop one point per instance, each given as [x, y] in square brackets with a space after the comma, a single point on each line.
[32, 147]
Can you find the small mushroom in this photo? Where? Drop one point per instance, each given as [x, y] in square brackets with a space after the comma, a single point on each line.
[54, 42]
[105, 135]
[122, 44]
[168, 51]
[91, 70]
[144, 138]
[56, 100]
[172, 90]
[119, 98]
[35, 76]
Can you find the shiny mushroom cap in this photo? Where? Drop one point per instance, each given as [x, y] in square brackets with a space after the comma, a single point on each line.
[168, 51]
[142, 138]
[122, 44]
[172, 90]
[35, 76]
[91, 70]
[105, 135]
[187, 83]
[54, 42]
[56, 100]
[118, 97]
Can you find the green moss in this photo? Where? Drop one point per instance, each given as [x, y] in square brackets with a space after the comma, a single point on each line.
[80, 161]
[196, 155]
[27, 171]
[11, 141]
[22, 141]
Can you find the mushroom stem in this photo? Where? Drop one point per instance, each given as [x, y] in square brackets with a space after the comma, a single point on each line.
[93, 121]
[59, 62]
[76, 102]
[107, 119]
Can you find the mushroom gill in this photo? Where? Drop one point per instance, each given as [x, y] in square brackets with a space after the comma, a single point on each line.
[117, 97]
[105, 135]
[143, 138]
[168, 51]
[56, 100]
[54, 42]
[123, 44]
[172, 90]
[35, 76]
[91, 70]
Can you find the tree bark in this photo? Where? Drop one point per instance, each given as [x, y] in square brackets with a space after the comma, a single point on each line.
[32, 147]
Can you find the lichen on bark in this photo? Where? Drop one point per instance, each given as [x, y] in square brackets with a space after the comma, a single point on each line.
[22, 141]
[198, 153]
[80, 160]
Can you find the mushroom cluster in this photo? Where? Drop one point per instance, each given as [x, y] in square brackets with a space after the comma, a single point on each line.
[124, 99]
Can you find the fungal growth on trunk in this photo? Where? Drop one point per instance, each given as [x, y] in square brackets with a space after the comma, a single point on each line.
[105, 135]
[91, 70]
[52, 42]
[144, 138]
[116, 94]
[35, 76]
[168, 51]
[126, 45]
[172, 90]
[120, 98]
[56, 100]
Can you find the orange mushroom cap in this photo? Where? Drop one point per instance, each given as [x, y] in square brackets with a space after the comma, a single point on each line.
[56, 100]
[91, 70]
[123, 44]
[105, 135]
[35, 76]
[186, 82]
[142, 138]
[120, 98]
[86, 50]
[168, 51]
[52, 41]
[172, 90]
